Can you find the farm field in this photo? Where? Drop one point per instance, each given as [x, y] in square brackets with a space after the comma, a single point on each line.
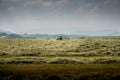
[88, 50]
[68, 59]
[60, 72]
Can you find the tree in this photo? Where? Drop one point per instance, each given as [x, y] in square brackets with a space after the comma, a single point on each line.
[60, 38]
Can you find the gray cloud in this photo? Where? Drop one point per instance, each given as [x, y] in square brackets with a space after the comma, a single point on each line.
[103, 8]
[11, 8]
[80, 7]
[9, 0]
[59, 15]
[43, 3]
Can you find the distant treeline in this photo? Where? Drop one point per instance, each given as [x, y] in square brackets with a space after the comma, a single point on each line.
[65, 36]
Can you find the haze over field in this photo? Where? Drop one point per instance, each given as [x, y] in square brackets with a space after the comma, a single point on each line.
[60, 16]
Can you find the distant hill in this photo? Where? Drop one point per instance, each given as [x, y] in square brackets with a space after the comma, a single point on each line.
[4, 34]
[53, 35]
[8, 34]
[14, 36]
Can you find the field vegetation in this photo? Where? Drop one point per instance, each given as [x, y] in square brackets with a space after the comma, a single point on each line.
[60, 72]
[88, 50]
[88, 58]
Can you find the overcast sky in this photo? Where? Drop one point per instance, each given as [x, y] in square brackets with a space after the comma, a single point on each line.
[59, 16]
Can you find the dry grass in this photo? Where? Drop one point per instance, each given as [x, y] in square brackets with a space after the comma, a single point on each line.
[77, 47]
[51, 59]
[60, 72]
[59, 60]
[37, 51]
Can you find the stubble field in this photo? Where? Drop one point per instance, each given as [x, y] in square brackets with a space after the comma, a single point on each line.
[51, 59]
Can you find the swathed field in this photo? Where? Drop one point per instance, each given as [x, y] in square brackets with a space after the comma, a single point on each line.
[83, 51]
[90, 58]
